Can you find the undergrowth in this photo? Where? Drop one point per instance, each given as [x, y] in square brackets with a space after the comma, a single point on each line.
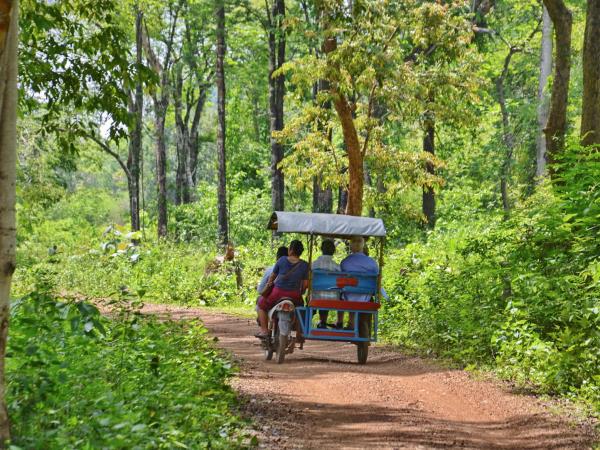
[76, 379]
[521, 296]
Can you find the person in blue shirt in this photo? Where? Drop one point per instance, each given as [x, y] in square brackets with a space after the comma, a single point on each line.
[357, 261]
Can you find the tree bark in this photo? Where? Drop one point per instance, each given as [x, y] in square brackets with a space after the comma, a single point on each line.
[181, 137]
[543, 104]
[194, 139]
[135, 140]
[222, 173]
[277, 43]
[428, 191]
[355, 157]
[8, 157]
[353, 148]
[557, 119]
[590, 114]
[160, 111]
[322, 198]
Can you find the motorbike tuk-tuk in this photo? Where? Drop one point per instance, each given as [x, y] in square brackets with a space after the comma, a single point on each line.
[327, 290]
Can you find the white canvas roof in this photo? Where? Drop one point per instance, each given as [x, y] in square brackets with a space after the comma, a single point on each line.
[326, 224]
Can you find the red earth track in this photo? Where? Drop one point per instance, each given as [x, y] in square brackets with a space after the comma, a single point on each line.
[321, 399]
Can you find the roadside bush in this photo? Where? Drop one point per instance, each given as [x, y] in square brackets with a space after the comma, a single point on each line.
[78, 380]
[521, 294]
[164, 272]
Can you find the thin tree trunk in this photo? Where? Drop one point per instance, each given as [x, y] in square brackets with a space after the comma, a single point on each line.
[543, 103]
[161, 165]
[590, 114]
[428, 191]
[194, 141]
[8, 157]
[220, 72]
[557, 119]
[277, 42]
[135, 140]
[180, 140]
[322, 198]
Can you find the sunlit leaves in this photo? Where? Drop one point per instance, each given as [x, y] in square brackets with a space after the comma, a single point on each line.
[396, 62]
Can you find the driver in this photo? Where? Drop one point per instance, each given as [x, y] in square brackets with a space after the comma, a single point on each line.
[289, 279]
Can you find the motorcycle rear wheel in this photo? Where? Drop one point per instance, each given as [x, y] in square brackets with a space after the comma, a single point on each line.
[283, 343]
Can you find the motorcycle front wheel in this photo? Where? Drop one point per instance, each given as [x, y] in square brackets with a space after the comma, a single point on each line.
[269, 352]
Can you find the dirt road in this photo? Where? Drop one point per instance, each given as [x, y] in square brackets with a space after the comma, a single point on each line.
[321, 399]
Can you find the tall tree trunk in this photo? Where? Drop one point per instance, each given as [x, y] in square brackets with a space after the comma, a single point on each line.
[277, 42]
[160, 111]
[181, 140]
[322, 198]
[9, 21]
[543, 103]
[180, 180]
[557, 119]
[355, 158]
[353, 148]
[428, 191]
[194, 140]
[220, 72]
[135, 140]
[590, 114]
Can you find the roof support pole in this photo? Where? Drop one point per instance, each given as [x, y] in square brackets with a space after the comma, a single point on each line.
[381, 247]
[311, 241]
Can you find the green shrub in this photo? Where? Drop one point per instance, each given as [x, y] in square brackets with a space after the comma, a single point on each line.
[522, 294]
[78, 380]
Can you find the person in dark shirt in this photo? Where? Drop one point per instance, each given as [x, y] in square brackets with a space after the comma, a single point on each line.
[281, 251]
[289, 279]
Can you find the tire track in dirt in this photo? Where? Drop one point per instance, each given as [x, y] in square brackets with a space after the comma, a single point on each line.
[321, 399]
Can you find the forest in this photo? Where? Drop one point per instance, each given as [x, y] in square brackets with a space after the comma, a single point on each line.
[139, 138]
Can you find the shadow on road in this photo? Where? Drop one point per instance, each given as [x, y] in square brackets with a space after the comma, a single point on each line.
[322, 425]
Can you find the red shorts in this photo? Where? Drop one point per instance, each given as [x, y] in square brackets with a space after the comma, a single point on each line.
[276, 295]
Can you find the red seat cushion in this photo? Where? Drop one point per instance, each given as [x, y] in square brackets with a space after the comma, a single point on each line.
[339, 334]
[344, 305]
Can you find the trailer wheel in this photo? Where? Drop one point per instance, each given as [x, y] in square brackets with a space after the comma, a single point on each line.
[364, 331]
